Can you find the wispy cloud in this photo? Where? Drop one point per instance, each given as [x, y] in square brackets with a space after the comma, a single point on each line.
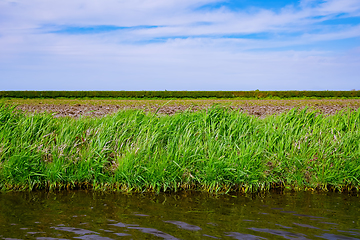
[182, 38]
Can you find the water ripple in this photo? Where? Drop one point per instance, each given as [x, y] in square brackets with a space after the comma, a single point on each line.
[285, 234]
[243, 236]
[185, 225]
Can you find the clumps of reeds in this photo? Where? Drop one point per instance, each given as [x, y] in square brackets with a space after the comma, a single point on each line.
[216, 150]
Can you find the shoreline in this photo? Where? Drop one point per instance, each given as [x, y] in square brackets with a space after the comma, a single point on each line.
[221, 189]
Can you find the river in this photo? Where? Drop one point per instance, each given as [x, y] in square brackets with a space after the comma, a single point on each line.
[185, 215]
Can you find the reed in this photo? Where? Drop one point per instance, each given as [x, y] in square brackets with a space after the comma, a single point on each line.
[216, 150]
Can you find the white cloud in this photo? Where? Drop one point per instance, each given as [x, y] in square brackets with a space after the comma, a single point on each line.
[175, 17]
[202, 60]
[336, 6]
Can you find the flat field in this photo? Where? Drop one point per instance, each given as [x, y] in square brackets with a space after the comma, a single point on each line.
[101, 107]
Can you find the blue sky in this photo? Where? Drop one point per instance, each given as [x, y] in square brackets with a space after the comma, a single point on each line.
[179, 45]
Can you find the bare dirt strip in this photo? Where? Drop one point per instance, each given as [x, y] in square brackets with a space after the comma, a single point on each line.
[98, 108]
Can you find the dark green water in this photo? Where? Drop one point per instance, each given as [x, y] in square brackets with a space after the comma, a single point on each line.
[89, 215]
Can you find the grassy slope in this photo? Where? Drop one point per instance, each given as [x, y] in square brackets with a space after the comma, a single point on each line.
[214, 150]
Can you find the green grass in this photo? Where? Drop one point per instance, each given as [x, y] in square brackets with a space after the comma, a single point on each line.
[216, 150]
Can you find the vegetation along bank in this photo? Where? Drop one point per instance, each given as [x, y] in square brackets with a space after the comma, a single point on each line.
[180, 94]
[215, 149]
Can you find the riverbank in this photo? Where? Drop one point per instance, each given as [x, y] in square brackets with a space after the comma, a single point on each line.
[216, 149]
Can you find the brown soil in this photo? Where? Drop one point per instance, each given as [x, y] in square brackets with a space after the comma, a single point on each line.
[260, 108]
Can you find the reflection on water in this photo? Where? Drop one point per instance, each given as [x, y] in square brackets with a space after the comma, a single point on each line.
[89, 215]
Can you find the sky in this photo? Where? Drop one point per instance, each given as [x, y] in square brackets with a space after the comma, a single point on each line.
[180, 45]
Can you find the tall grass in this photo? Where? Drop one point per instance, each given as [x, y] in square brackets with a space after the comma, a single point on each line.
[214, 150]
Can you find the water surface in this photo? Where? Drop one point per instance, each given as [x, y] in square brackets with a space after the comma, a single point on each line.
[187, 215]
